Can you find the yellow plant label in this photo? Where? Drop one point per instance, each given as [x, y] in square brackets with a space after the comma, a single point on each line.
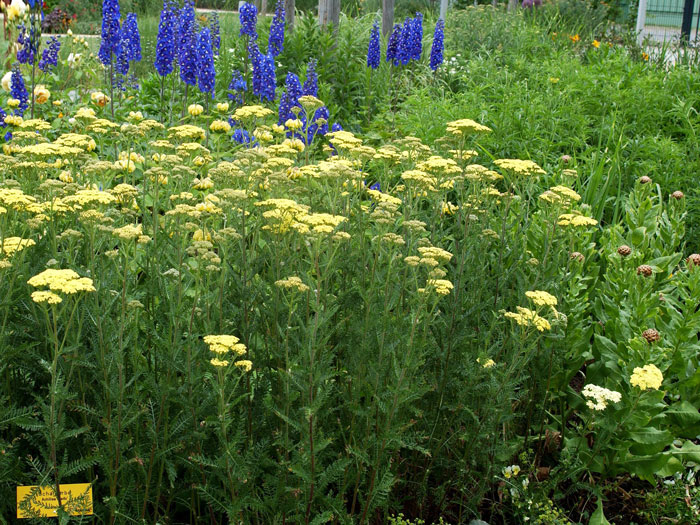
[41, 502]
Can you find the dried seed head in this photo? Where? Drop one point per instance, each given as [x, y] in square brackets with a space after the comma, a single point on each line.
[624, 250]
[644, 179]
[644, 270]
[651, 335]
[693, 259]
[577, 256]
[678, 195]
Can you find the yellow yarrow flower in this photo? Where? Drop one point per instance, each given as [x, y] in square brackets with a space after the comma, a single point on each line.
[222, 344]
[244, 364]
[43, 296]
[66, 281]
[541, 298]
[292, 283]
[647, 377]
[527, 317]
[12, 245]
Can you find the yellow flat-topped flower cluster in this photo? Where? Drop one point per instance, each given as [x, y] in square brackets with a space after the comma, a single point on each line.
[222, 345]
[64, 281]
[648, 377]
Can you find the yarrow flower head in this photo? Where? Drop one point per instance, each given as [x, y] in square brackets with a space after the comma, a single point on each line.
[648, 377]
[248, 16]
[527, 317]
[65, 281]
[165, 45]
[49, 56]
[436, 51]
[111, 35]
[374, 52]
[275, 44]
[541, 298]
[223, 344]
[206, 73]
[599, 397]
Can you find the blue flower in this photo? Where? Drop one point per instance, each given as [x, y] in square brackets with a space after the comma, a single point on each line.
[275, 44]
[131, 39]
[289, 98]
[165, 46]
[311, 81]
[49, 57]
[18, 90]
[376, 186]
[241, 136]
[215, 28]
[416, 41]
[392, 50]
[374, 52]
[27, 40]
[316, 128]
[336, 127]
[264, 79]
[3, 124]
[248, 15]
[437, 48]
[111, 35]
[238, 86]
[187, 55]
[206, 73]
[406, 44]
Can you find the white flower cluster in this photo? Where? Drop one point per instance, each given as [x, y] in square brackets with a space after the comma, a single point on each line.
[599, 397]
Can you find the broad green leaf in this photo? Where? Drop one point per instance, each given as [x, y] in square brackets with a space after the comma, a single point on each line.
[598, 517]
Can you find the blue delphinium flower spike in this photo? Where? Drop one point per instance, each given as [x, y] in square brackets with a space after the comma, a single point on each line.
[18, 90]
[248, 16]
[275, 44]
[436, 51]
[392, 50]
[206, 73]
[165, 44]
[374, 52]
[111, 34]
[49, 56]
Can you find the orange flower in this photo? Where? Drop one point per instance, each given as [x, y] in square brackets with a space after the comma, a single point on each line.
[595, 44]
[575, 38]
[645, 56]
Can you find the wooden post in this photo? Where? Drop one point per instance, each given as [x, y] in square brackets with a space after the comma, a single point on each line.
[641, 21]
[387, 16]
[328, 13]
[289, 13]
[443, 9]
[263, 7]
[512, 5]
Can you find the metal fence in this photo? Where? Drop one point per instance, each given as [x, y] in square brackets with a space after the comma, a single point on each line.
[669, 20]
